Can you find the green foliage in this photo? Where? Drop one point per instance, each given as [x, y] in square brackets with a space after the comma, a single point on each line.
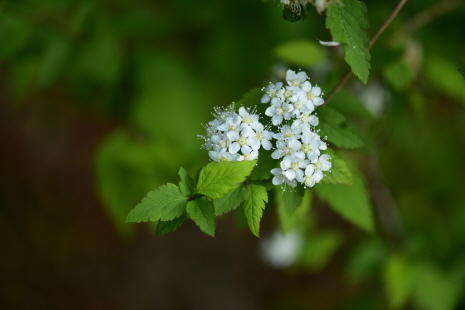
[398, 280]
[217, 179]
[187, 184]
[165, 203]
[351, 202]
[165, 227]
[433, 289]
[254, 204]
[202, 212]
[347, 24]
[300, 53]
[298, 215]
[339, 172]
[318, 249]
[262, 170]
[334, 128]
[292, 15]
[442, 75]
[462, 71]
[231, 201]
[399, 74]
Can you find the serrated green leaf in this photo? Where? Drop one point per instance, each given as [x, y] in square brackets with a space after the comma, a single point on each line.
[339, 172]
[231, 201]
[165, 204]
[347, 24]
[351, 202]
[333, 128]
[165, 227]
[187, 184]
[254, 204]
[300, 52]
[216, 180]
[299, 217]
[262, 171]
[398, 281]
[202, 212]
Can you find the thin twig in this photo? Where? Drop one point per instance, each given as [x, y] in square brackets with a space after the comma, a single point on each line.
[372, 41]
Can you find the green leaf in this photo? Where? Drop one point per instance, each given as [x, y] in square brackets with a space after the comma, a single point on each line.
[231, 201]
[292, 199]
[300, 53]
[216, 180]
[265, 163]
[351, 202]
[298, 217]
[254, 204]
[398, 74]
[165, 227]
[202, 212]
[339, 172]
[347, 24]
[319, 247]
[334, 129]
[164, 204]
[442, 76]
[434, 289]
[398, 281]
[251, 100]
[187, 184]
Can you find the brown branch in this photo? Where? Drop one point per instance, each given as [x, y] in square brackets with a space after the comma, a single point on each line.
[372, 41]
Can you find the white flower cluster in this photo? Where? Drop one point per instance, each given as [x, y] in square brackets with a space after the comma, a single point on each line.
[235, 136]
[297, 144]
[320, 5]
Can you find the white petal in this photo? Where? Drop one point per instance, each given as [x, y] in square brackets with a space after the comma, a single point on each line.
[290, 174]
[318, 101]
[232, 135]
[267, 145]
[265, 98]
[234, 148]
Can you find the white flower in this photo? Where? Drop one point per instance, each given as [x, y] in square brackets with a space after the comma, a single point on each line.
[293, 165]
[287, 132]
[248, 154]
[271, 92]
[280, 177]
[278, 111]
[312, 176]
[223, 156]
[311, 144]
[247, 118]
[322, 163]
[305, 121]
[313, 93]
[264, 136]
[296, 79]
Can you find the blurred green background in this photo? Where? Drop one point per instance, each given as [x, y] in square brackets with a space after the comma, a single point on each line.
[102, 101]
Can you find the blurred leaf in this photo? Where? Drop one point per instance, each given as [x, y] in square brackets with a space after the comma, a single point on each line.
[350, 202]
[398, 74]
[299, 217]
[251, 99]
[13, 35]
[202, 212]
[216, 180]
[231, 201]
[300, 53]
[442, 75]
[398, 282]
[54, 60]
[187, 184]
[366, 260]
[165, 203]
[434, 290]
[319, 247]
[347, 24]
[291, 199]
[126, 171]
[166, 227]
[254, 204]
[462, 70]
[339, 172]
[333, 128]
